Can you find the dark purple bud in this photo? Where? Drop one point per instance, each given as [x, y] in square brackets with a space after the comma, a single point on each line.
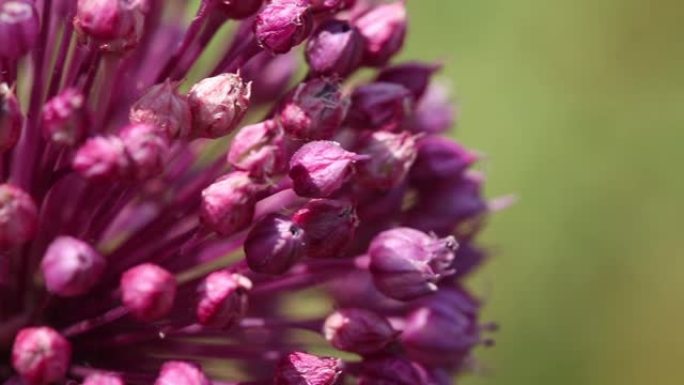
[270, 75]
[71, 267]
[181, 373]
[408, 263]
[321, 6]
[18, 216]
[319, 169]
[274, 245]
[468, 258]
[394, 371]
[228, 203]
[116, 24]
[19, 28]
[64, 120]
[414, 76]
[103, 379]
[441, 158]
[306, 369]
[383, 29]
[329, 226]
[11, 118]
[358, 331]
[335, 49]
[237, 9]
[259, 149]
[434, 114]
[390, 159]
[223, 299]
[162, 106]
[148, 291]
[40, 355]
[218, 104]
[147, 147]
[103, 158]
[283, 24]
[379, 106]
[315, 110]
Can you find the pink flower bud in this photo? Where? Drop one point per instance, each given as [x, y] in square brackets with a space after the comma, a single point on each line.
[441, 158]
[259, 149]
[414, 76]
[274, 245]
[395, 371]
[218, 104]
[306, 369]
[148, 291]
[223, 299]
[103, 379]
[315, 110]
[319, 169]
[238, 9]
[106, 20]
[407, 263]
[320, 6]
[283, 24]
[163, 107]
[383, 29]
[181, 373]
[19, 28]
[64, 121]
[435, 112]
[358, 331]
[103, 158]
[18, 216]
[390, 156]
[379, 106]
[11, 118]
[40, 355]
[146, 147]
[71, 267]
[329, 226]
[270, 75]
[334, 49]
[228, 203]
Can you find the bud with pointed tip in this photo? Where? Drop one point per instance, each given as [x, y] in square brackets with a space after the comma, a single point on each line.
[40, 355]
[415, 76]
[358, 331]
[64, 121]
[148, 291]
[283, 24]
[259, 149]
[181, 373]
[18, 216]
[223, 299]
[218, 104]
[228, 203]
[329, 226]
[335, 49]
[390, 159]
[103, 158]
[379, 106]
[11, 118]
[441, 158]
[274, 245]
[306, 369]
[164, 107]
[19, 28]
[383, 28]
[71, 267]
[319, 169]
[237, 9]
[146, 147]
[103, 379]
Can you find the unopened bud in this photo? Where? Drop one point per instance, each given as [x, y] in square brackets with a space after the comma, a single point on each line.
[358, 331]
[116, 25]
[259, 149]
[222, 299]
[306, 369]
[319, 169]
[441, 158]
[395, 371]
[64, 121]
[283, 24]
[228, 203]
[383, 29]
[40, 355]
[434, 114]
[335, 48]
[274, 245]
[103, 379]
[103, 158]
[71, 267]
[19, 28]
[390, 157]
[379, 106]
[147, 147]
[11, 118]
[181, 373]
[18, 216]
[148, 291]
[218, 104]
[329, 226]
[162, 106]
[414, 76]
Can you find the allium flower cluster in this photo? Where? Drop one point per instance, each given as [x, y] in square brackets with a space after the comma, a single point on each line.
[156, 228]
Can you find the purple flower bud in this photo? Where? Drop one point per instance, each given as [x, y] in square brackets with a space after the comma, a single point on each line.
[315, 110]
[319, 169]
[181, 373]
[223, 299]
[218, 104]
[306, 369]
[228, 203]
[335, 48]
[270, 75]
[102, 158]
[259, 149]
[274, 245]
[163, 107]
[414, 76]
[329, 226]
[394, 371]
[468, 258]
[238, 9]
[103, 379]
[379, 106]
[440, 158]
[383, 29]
[390, 158]
[434, 114]
[18, 216]
[147, 148]
[19, 28]
[283, 24]
[148, 291]
[407, 263]
[11, 118]
[71, 267]
[117, 24]
[63, 118]
[40, 355]
[358, 331]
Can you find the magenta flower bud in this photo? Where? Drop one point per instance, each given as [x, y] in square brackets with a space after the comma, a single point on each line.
[414, 76]
[321, 6]
[407, 263]
[148, 291]
[306, 369]
[319, 169]
[270, 75]
[71, 267]
[181, 373]
[283, 24]
[40, 355]
[11, 118]
[63, 118]
[19, 28]
[106, 20]
[218, 104]
[223, 299]
[228, 203]
[259, 149]
[102, 158]
[18, 216]
[147, 147]
[434, 113]
[329, 226]
[335, 49]
[395, 371]
[383, 29]
[315, 110]
[390, 159]
[103, 379]
[441, 158]
[358, 331]
[238, 9]
[274, 245]
[162, 106]
[379, 106]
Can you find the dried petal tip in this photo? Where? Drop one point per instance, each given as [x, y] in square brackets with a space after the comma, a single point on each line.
[319, 169]
[228, 204]
[19, 28]
[103, 379]
[181, 373]
[71, 267]
[237, 9]
[18, 216]
[148, 291]
[218, 104]
[358, 331]
[383, 29]
[334, 49]
[379, 106]
[259, 149]
[11, 118]
[146, 147]
[64, 121]
[274, 245]
[283, 24]
[329, 226]
[102, 158]
[164, 107]
[306, 369]
[390, 159]
[223, 299]
[40, 355]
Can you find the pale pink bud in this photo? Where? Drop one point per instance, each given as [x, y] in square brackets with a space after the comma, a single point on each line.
[18, 216]
[228, 203]
[162, 106]
[319, 169]
[115, 24]
[283, 24]
[358, 331]
[306, 369]
[148, 291]
[103, 158]
[11, 118]
[259, 149]
[223, 299]
[390, 157]
[71, 267]
[40, 355]
[64, 121]
[383, 29]
[218, 104]
[181, 373]
[147, 147]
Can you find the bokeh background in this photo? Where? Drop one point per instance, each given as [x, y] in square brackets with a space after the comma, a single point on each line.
[579, 106]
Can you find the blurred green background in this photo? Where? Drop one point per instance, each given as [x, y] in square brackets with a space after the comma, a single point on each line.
[580, 108]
